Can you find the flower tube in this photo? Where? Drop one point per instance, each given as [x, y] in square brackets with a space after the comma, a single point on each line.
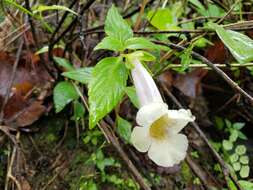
[158, 130]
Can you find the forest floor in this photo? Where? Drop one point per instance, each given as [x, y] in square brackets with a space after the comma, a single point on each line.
[45, 139]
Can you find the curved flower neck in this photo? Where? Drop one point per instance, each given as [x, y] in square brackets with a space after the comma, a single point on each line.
[146, 88]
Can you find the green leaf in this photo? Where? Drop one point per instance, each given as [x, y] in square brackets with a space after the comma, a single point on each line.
[200, 8]
[42, 8]
[82, 75]
[124, 129]
[246, 185]
[64, 93]
[240, 45]
[110, 43]
[234, 135]
[228, 123]
[140, 43]
[238, 125]
[116, 26]
[64, 63]
[244, 172]
[219, 122]
[79, 111]
[242, 136]
[227, 145]
[234, 157]
[141, 55]
[244, 159]
[45, 49]
[131, 93]
[162, 19]
[19, 7]
[240, 149]
[237, 166]
[106, 88]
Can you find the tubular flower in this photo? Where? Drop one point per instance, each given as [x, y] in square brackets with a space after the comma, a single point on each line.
[158, 130]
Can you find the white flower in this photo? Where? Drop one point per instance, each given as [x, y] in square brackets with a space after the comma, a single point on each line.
[158, 130]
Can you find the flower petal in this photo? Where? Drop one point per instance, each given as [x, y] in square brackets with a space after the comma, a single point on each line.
[140, 138]
[145, 86]
[150, 113]
[179, 119]
[168, 152]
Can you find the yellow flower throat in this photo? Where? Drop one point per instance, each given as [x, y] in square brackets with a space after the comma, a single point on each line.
[158, 129]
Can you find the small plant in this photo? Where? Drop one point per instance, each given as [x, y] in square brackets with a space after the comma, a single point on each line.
[234, 154]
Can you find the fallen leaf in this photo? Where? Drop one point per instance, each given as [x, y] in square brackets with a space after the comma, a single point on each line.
[31, 79]
[190, 83]
[216, 53]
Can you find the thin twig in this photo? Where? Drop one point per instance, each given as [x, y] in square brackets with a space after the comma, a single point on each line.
[35, 38]
[138, 21]
[204, 66]
[234, 85]
[70, 26]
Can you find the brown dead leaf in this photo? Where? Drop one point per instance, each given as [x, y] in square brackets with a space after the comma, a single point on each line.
[190, 83]
[216, 53]
[30, 81]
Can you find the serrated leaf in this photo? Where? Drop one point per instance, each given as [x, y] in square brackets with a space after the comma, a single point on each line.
[240, 149]
[131, 93]
[240, 45]
[64, 63]
[124, 128]
[227, 145]
[106, 88]
[140, 43]
[64, 93]
[116, 26]
[244, 159]
[83, 75]
[110, 43]
[244, 172]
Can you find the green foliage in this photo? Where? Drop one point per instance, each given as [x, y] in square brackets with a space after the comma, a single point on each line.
[79, 111]
[246, 185]
[62, 62]
[88, 185]
[82, 75]
[64, 93]
[18, 6]
[42, 8]
[240, 45]
[211, 11]
[140, 43]
[124, 128]
[92, 137]
[111, 43]
[116, 26]
[163, 19]
[235, 155]
[131, 93]
[106, 88]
